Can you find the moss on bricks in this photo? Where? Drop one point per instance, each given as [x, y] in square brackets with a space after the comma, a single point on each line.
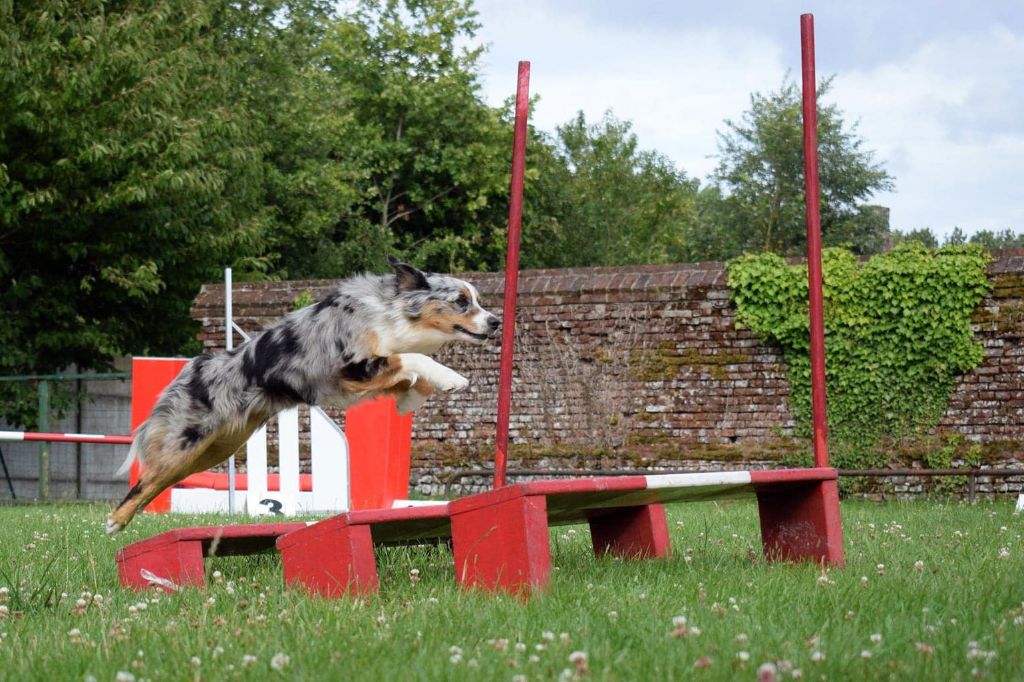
[665, 362]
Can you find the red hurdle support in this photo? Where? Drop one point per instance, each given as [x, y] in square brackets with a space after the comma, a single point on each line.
[515, 219]
[176, 557]
[814, 289]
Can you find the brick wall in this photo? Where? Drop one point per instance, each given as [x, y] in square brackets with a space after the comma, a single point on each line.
[640, 366]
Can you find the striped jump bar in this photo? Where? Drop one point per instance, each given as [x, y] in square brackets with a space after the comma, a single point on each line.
[18, 436]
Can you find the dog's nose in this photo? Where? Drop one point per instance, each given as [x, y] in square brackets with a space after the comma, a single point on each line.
[493, 323]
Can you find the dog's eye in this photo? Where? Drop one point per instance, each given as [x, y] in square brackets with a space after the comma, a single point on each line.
[462, 302]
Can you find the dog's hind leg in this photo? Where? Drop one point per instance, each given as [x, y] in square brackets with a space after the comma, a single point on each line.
[163, 468]
[160, 473]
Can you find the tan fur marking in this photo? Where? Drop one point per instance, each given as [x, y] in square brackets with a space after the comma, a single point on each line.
[384, 379]
[439, 316]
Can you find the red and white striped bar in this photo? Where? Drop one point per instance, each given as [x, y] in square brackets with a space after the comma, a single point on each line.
[18, 436]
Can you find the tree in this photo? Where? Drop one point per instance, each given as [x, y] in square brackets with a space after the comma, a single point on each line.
[1003, 239]
[427, 157]
[760, 175]
[595, 198]
[923, 236]
[130, 173]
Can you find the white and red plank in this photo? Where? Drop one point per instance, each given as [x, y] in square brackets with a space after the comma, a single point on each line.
[19, 436]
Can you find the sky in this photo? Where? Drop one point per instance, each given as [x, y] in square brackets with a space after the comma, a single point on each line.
[936, 89]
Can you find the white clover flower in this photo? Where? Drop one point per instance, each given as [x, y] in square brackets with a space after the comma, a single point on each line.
[743, 656]
[248, 660]
[919, 566]
[876, 638]
[280, 661]
[817, 656]
[865, 654]
[124, 676]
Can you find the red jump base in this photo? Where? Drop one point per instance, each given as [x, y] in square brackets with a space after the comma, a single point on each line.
[175, 558]
[501, 538]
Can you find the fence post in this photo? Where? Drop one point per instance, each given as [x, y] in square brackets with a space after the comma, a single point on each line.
[44, 447]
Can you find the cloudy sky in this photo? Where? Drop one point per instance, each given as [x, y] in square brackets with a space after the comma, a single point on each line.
[937, 88]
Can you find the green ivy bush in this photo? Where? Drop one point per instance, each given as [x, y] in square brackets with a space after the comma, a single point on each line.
[897, 333]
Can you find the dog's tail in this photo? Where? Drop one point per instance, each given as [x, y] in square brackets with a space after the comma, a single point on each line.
[135, 451]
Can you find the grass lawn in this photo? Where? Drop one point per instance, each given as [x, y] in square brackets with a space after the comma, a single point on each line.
[931, 591]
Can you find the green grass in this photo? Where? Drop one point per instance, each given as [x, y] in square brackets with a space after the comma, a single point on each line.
[619, 613]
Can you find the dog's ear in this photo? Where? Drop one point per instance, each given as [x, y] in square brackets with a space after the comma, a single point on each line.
[409, 278]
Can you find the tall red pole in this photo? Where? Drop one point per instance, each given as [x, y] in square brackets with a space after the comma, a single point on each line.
[515, 219]
[817, 312]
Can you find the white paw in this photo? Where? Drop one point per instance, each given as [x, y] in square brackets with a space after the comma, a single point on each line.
[448, 380]
[112, 526]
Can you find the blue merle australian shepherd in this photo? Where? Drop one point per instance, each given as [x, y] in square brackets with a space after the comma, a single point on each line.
[368, 338]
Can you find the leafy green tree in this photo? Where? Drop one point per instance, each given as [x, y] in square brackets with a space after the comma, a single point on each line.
[595, 198]
[427, 157]
[760, 173]
[130, 173]
[923, 236]
[1003, 239]
[987, 239]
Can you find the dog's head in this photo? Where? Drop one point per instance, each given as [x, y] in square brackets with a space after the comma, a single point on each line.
[441, 307]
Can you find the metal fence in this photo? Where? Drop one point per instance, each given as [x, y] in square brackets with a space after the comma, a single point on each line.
[46, 422]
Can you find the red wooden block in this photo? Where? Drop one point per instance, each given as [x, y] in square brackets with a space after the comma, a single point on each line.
[180, 562]
[801, 522]
[501, 541]
[177, 555]
[631, 532]
[330, 558]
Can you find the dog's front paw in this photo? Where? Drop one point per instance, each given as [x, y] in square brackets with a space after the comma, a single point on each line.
[449, 381]
[113, 527]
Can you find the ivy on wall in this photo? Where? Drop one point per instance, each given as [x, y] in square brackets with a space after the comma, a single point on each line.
[897, 333]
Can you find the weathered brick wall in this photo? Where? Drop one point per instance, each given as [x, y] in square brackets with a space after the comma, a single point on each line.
[639, 366]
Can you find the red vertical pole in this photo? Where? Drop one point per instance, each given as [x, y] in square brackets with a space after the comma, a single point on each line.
[810, 103]
[515, 219]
